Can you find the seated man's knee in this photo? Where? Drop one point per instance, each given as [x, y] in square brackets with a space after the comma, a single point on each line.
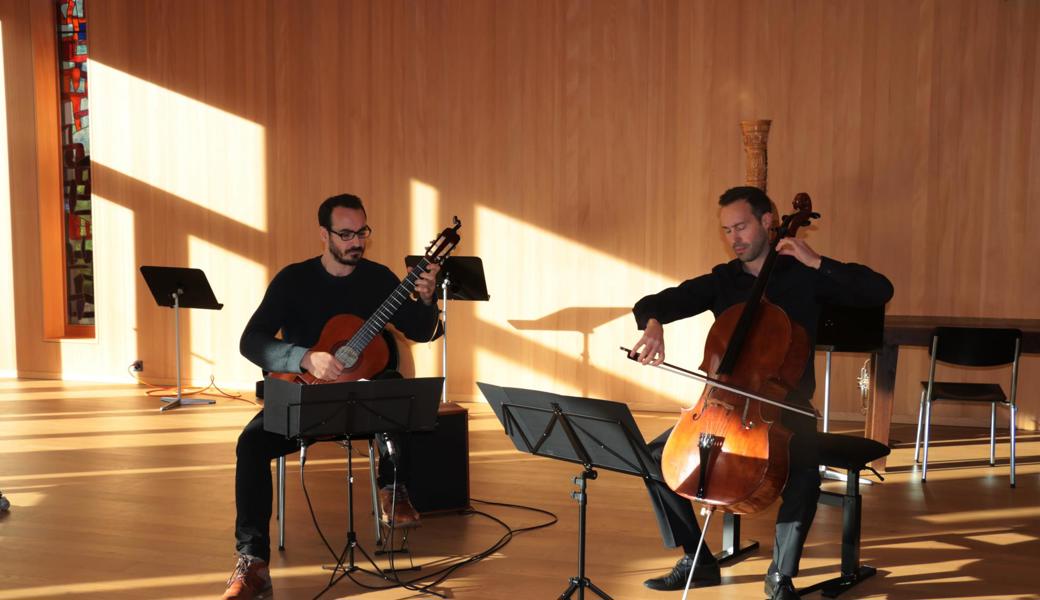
[250, 442]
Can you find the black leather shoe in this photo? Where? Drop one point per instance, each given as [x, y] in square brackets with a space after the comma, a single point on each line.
[780, 587]
[705, 575]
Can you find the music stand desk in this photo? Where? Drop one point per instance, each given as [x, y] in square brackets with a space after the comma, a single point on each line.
[592, 433]
[352, 409]
[177, 288]
[460, 278]
[464, 276]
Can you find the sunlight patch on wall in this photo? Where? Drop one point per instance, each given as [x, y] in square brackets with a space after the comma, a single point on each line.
[499, 369]
[204, 155]
[425, 211]
[8, 356]
[551, 292]
[424, 215]
[115, 285]
[215, 333]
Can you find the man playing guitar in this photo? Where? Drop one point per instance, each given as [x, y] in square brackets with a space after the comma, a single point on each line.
[299, 301]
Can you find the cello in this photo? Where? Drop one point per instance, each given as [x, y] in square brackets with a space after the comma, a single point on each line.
[730, 450]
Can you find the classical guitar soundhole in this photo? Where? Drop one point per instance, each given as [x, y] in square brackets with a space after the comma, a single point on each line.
[347, 356]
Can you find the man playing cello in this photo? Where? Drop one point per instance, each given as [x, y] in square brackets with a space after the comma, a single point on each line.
[800, 282]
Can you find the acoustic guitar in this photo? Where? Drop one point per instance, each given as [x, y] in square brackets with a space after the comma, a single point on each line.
[358, 344]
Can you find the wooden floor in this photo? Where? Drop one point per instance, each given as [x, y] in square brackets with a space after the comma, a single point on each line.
[112, 499]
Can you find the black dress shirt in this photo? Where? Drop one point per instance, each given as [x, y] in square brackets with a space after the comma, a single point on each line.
[797, 289]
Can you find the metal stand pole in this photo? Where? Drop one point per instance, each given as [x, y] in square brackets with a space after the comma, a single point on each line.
[444, 335]
[281, 503]
[171, 401]
[351, 565]
[827, 394]
[579, 583]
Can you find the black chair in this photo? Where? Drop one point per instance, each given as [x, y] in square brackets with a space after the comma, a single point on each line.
[970, 347]
[852, 454]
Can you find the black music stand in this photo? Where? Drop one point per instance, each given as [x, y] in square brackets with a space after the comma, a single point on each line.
[460, 278]
[354, 408]
[180, 287]
[592, 433]
[349, 410]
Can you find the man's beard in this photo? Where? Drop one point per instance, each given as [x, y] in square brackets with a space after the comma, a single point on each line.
[350, 257]
[754, 250]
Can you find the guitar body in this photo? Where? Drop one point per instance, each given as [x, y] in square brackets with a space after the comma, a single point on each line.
[337, 332]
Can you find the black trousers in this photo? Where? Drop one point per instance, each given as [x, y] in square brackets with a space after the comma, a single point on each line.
[253, 481]
[679, 527]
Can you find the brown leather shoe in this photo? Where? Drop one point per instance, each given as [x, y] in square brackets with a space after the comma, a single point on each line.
[399, 505]
[251, 580]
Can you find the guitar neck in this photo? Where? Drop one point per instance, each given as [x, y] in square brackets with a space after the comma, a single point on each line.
[386, 310]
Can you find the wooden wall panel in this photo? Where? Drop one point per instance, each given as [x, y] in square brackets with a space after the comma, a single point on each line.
[583, 143]
[24, 259]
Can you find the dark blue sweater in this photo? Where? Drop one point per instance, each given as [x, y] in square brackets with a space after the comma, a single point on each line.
[303, 296]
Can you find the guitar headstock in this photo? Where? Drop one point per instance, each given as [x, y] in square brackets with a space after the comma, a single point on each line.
[441, 248]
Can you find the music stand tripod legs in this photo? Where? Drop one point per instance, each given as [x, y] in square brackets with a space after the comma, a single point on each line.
[352, 538]
[580, 582]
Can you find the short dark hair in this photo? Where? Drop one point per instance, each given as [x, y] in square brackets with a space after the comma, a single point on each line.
[759, 201]
[343, 200]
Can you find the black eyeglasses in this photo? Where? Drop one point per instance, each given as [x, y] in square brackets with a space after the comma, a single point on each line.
[346, 235]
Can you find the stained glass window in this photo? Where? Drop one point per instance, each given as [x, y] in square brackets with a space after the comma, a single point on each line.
[75, 161]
